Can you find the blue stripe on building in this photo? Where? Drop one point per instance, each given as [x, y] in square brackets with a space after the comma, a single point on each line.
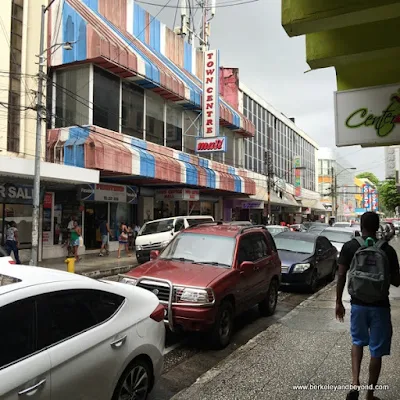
[74, 147]
[147, 160]
[191, 170]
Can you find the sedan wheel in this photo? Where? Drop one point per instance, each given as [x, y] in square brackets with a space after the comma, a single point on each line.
[134, 383]
[314, 281]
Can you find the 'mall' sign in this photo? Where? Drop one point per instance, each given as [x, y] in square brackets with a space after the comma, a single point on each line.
[211, 145]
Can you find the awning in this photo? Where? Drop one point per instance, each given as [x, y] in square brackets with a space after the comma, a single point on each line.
[153, 57]
[286, 199]
[15, 167]
[315, 205]
[120, 155]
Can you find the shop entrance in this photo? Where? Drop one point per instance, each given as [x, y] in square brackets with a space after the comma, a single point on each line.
[93, 215]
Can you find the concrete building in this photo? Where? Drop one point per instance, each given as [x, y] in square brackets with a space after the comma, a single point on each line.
[19, 42]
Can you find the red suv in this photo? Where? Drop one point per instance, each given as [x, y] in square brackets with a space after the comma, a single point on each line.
[210, 273]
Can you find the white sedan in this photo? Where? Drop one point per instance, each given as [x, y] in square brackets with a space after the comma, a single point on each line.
[67, 337]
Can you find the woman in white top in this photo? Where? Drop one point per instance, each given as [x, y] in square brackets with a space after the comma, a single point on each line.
[12, 242]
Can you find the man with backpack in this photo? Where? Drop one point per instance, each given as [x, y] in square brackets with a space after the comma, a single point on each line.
[372, 266]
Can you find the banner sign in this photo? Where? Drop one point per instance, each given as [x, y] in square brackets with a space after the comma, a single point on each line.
[210, 103]
[297, 176]
[18, 194]
[366, 196]
[178, 194]
[108, 192]
[368, 117]
[374, 200]
[211, 145]
[259, 205]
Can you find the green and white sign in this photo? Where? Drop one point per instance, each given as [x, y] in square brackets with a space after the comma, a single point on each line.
[368, 117]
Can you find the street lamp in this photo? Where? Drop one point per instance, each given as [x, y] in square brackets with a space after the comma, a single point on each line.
[38, 146]
[334, 186]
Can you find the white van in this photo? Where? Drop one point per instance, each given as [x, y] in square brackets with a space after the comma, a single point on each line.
[155, 235]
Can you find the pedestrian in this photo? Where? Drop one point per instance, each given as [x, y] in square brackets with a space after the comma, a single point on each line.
[76, 233]
[104, 232]
[370, 319]
[12, 241]
[123, 240]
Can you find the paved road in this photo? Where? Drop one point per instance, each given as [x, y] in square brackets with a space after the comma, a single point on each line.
[187, 356]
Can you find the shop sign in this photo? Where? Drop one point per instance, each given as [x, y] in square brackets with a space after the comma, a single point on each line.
[211, 94]
[109, 193]
[211, 145]
[297, 176]
[21, 194]
[178, 194]
[276, 209]
[368, 117]
[259, 205]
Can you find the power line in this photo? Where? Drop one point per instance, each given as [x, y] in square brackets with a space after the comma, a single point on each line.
[227, 4]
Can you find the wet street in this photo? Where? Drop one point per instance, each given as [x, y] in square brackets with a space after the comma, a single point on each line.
[187, 356]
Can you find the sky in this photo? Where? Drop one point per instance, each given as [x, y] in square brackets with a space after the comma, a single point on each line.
[250, 37]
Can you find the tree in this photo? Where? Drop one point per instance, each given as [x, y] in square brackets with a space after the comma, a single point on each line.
[388, 195]
[369, 175]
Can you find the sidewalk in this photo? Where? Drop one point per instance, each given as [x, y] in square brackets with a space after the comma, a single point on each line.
[93, 266]
[307, 346]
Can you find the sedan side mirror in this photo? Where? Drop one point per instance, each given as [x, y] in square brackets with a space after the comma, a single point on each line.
[154, 254]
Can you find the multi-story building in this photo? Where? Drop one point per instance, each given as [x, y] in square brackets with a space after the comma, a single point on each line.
[124, 102]
[19, 44]
[336, 186]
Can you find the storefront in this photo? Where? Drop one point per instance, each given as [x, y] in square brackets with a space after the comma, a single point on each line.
[183, 201]
[103, 201]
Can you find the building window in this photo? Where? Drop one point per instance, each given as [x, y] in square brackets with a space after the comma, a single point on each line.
[72, 97]
[154, 118]
[174, 127]
[132, 110]
[14, 95]
[106, 100]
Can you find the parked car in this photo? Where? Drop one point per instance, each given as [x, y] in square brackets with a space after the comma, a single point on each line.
[317, 227]
[64, 336]
[275, 229]
[155, 235]
[314, 224]
[298, 228]
[396, 225]
[306, 259]
[209, 274]
[339, 236]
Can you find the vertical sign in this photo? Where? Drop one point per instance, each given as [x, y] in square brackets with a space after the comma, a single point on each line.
[374, 200]
[297, 176]
[366, 197]
[211, 94]
[47, 227]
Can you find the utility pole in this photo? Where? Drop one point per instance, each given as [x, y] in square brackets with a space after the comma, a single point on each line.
[38, 150]
[270, 173]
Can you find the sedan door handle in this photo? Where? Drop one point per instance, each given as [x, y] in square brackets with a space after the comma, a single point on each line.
[32, 388]
[118, 343]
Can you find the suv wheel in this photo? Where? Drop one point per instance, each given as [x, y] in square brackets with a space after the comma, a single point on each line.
[313, 286]
[222, 331]
[268, 305]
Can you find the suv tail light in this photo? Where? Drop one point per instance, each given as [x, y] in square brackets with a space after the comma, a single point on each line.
[158, 314]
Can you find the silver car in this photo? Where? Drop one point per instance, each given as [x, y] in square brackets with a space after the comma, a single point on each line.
[67, 337]
[339, 236]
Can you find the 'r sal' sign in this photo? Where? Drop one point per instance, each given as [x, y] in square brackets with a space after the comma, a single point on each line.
[211, 94]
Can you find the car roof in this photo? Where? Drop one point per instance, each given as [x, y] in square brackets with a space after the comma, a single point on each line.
[182, 216]
[30, 276]
[339, 229]
[222, 229]
[276, 226]
[304, 236]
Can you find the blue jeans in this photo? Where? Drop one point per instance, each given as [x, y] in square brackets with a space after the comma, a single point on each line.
[372, 326]
[11, 246]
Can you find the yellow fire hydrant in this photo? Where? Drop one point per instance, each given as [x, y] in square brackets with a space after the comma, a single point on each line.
[70, 261]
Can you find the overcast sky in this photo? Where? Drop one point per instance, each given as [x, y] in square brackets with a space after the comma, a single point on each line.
[251, 38]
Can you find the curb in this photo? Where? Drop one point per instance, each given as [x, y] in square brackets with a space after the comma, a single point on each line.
[104, 273]
[215, 371]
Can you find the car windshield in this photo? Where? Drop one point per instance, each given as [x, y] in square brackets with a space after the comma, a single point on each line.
[201, 249]
[338, 237]
[164, 225]
[294, 245]
[274, 230]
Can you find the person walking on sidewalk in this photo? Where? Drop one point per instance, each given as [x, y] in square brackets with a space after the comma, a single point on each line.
[75, 238]
[104, 232]
[370, 320]
[12, 243]
[123, 240]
